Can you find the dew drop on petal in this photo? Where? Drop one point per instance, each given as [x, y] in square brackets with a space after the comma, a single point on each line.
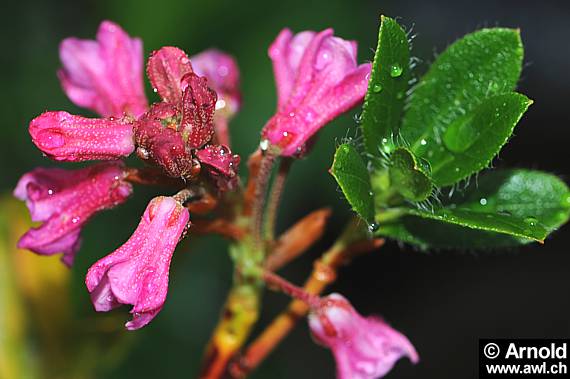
[50, 139]
[264, 144]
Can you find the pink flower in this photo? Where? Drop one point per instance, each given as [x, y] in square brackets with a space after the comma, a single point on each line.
[64, 200]
[105, 75]
[137, 272]
[222, 73]
[317, 79]
[364, 348]
[65, 137]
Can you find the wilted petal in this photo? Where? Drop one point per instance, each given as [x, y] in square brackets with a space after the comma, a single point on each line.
[165, 69]
[364, 348]
[222, 73]
[105, 75]
[65, 200]
[66, 137]
[220, 158]
[137, 272]
[159, 141]
[198, 106]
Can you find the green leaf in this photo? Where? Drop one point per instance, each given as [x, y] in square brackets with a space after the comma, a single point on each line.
[452, 96]
[384, 101]
[426, 234]
[408, 177]
[506, 208]
[352, 176]
[475, 138]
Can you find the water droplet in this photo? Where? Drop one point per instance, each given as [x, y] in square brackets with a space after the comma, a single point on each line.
[220, 104]
[396, 70]
[384, 140]
[143, 153]
[50, 139]
[460, 134]
[50, 192]
[377, 88]
[75, 220]
[373, 226]
[531, 221]
[423, 142]
[155, 90]
[456, 169]
[483, 201]
[291, 114]
[264, 144]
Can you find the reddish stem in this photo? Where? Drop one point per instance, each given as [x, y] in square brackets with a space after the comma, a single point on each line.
[152, 176]
[275, 281]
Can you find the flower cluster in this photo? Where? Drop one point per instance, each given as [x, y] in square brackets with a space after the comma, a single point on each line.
[177, 134]
[185, 137]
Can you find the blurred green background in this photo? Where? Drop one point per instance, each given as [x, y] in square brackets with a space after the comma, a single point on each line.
[443, 301]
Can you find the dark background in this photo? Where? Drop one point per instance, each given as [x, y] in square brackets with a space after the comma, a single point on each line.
[443, 301]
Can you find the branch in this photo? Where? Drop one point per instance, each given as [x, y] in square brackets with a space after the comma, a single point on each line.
[349, 245]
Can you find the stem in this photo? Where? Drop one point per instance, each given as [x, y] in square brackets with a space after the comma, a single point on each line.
[183, 195]
[275, 197]
[151, 176]
[277, 282]
[297, 239]
[257, 207]
[240, 314]
[351, 243]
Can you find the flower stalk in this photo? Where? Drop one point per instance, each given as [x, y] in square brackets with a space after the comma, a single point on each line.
[352, 242]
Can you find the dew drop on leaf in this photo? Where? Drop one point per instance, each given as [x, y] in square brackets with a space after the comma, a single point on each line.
[396, 70]
[373, 226]
[377, 88]
[531, 221]
[483, 201]
[460, 134]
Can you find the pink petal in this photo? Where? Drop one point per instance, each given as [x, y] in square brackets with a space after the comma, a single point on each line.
[222, 73]
[165, 69]
[364, 348]
[317, 80]
[66, 137]
[65, 200]
[104, 75]
[137, 272]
